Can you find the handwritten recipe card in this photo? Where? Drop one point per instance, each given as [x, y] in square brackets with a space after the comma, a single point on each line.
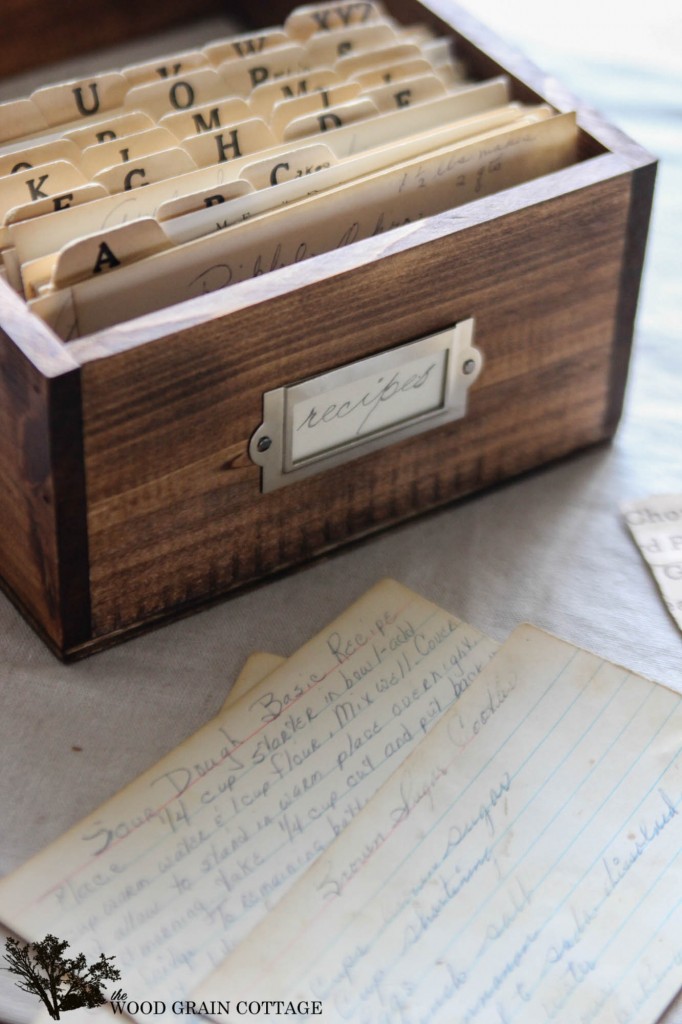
[524, 865]
[400, 825]
[255, 669]
[176, 869]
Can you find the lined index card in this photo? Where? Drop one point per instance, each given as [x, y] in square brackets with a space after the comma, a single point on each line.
[170, 874]
[524, 865]
[255, 669]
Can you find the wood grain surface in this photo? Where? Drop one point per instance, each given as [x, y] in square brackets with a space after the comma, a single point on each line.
[43, 540]
[172, 513]
[75, 26]
[174, 504]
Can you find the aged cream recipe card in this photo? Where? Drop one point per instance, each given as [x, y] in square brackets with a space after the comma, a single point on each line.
[173, 872]
[524, 865]
[255, 669]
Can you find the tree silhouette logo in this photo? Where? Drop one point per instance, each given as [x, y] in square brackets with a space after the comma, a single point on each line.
[61, 982]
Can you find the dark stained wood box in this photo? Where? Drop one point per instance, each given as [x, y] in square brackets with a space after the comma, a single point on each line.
[127, 495]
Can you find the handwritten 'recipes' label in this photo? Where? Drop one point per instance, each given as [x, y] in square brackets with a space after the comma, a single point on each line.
[367, 405]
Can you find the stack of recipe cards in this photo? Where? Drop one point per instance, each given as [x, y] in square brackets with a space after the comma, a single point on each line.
[163, 181]
[403, 822]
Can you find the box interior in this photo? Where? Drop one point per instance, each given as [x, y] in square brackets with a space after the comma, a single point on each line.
[177, 26]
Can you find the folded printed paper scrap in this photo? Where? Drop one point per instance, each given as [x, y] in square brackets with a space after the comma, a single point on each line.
[656, 525]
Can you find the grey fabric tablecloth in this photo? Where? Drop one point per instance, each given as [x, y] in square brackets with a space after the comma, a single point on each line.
[549, 548]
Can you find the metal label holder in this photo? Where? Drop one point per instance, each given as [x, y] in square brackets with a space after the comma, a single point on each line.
[325, 421]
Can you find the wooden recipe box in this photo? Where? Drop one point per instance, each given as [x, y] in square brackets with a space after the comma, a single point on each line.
[128, 494]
